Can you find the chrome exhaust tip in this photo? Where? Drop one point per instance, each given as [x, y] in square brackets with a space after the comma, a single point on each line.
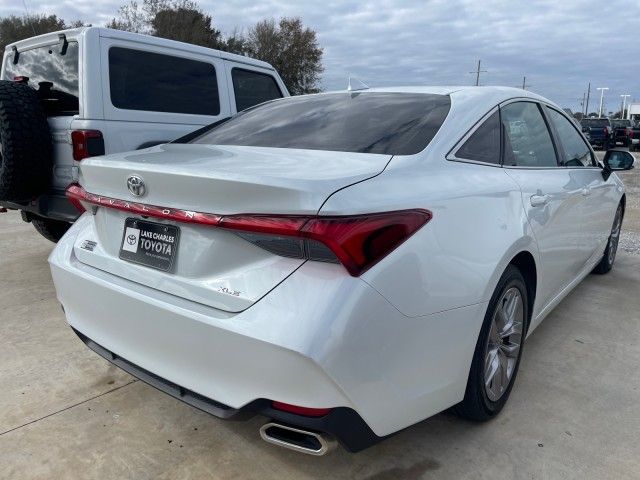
[302, 441]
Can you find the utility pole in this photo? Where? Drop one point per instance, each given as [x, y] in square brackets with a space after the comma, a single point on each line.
[584, 94]
[624, 104]
[478, 72]
[586, 108]
[602, 89]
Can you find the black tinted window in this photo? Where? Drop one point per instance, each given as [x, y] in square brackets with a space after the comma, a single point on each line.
[251, 88]
[595, 122]
[52, 75]
[484, 144]
[162, 83]
[576, 152]
[527, 139]
[388, 123]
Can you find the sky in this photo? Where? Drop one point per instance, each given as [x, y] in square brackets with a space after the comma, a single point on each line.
[559, 45]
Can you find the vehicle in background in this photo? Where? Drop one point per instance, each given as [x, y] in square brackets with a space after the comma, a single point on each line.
[345, 264]
[78, 93]
[599, 130]
[626, 133]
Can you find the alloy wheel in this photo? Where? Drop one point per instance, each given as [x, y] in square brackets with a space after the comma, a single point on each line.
[615, 237]
[503, 343]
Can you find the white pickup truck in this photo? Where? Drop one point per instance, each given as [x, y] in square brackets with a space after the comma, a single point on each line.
[73, 94]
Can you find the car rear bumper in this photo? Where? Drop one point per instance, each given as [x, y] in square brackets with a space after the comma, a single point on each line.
[342, 423]
[320, 339]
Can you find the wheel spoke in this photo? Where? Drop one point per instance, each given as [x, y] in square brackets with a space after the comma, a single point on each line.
[510, 350]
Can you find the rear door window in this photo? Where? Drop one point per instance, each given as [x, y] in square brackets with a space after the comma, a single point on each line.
[251, 88]
[575, 153]
[527, 140]
[54, 76]
[155, 82]
[484, 144]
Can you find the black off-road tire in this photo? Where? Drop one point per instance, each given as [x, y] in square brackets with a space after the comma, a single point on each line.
[606, 263]
[25, 144]
[52, 230]
[477, 405]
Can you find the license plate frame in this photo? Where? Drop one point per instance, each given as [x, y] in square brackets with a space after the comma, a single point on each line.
[151, 244]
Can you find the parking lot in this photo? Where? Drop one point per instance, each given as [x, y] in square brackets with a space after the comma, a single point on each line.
[66, 413]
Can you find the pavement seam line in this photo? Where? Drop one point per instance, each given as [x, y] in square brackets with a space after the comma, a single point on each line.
[68, 408]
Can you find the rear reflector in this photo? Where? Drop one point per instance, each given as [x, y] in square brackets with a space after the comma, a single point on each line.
[87, 143]
[357, 242]
[307, 412]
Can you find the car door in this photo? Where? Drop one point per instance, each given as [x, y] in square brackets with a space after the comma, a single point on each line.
[551, 196]
[600, 199]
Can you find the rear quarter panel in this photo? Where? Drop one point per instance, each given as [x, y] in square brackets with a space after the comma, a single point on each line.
[455, 260]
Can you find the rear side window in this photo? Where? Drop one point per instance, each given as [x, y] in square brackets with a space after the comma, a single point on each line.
[251, 88]
[53, 75]
[375, 122]
[576, 152]
[527, 140]
[162, 83]
[484, 144]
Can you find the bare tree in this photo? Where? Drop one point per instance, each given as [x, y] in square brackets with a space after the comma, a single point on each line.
[292, 49]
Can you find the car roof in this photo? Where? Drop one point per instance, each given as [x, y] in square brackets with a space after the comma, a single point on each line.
[138, 38]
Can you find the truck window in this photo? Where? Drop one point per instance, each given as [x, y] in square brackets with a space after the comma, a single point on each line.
[251, 88]
[162, 83]
[53, 76]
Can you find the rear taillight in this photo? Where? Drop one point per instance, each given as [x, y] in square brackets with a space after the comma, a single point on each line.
[357, 241]
[87, 143]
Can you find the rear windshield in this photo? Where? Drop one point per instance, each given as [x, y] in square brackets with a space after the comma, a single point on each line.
[387, 123]
[621, 123]
[596, 122]
[53, 75]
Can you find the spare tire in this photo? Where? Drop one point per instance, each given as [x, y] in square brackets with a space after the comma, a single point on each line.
[25, 144]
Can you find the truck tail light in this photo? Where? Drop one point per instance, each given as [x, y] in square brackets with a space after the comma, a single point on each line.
[87, 143]
[356, 241]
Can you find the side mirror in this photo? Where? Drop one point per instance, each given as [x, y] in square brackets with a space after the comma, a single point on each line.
[618, 160]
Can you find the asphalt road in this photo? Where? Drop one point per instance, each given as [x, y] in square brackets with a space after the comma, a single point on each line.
[66, 413]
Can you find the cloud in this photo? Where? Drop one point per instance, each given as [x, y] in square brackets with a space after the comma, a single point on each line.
[558, 46]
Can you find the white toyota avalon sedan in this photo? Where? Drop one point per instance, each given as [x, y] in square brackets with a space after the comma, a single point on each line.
[343, 264]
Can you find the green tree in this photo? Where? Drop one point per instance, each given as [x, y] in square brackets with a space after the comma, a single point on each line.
[292, 49]
[14, 28]
[181, 20]
[186, 24]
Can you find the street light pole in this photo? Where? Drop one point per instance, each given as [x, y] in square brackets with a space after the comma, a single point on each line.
[624, 104]
[602, 89]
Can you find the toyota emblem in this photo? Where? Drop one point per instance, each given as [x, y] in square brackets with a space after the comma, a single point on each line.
[136, 186]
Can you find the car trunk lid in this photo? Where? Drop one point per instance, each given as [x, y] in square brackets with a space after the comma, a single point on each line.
[212, 266]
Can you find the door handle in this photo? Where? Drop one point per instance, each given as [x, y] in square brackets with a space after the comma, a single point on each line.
[586, 191]
[539, 200]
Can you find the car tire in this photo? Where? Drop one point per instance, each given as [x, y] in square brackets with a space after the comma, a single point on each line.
[609, 256]
[52, 230]
[498, 351]
[25, 144]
